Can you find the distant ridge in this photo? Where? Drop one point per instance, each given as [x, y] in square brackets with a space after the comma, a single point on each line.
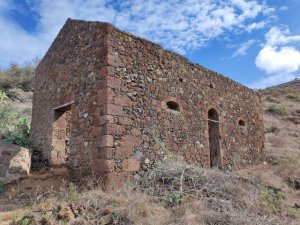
[291, 84]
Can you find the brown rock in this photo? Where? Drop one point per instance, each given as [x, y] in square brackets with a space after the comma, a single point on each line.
[107, 141]
[65, 214]
[131, 165]
[48, 220]
[15, 162]
[125, 149]
[107, 211]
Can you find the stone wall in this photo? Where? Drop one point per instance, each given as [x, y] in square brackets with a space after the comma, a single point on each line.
[70, 76]
[134, 103]
[150, 77]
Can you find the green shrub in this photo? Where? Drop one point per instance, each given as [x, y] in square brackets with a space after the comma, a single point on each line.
[14, 126]
[20, 136]
[173, 199]
[271, 129]
[13, 93]
[278, 109]
[25, 221]
[17, 77]
[274, 199]
[294, 210]
[296, 97]
[3, 96]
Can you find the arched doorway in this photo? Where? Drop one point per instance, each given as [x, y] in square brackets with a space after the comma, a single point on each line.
[214, 138]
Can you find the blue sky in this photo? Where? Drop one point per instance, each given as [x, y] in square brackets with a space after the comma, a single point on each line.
[256, 43]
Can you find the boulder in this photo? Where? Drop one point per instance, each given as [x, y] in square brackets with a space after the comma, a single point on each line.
[15, 162]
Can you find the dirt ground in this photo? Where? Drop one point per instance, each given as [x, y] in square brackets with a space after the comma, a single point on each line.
[31, 188]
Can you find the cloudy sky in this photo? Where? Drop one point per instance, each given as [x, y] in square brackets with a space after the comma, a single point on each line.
[256, 43]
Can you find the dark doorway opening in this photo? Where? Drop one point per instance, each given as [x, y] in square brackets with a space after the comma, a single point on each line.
[214, 138]
[61, 135]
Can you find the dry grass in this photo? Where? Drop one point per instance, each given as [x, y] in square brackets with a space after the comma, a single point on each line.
[289, 166]
[173, 193]
[225, 198]
[282, 136]
[282, 130]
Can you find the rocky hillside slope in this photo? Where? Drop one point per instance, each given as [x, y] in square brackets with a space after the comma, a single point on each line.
[282, 118]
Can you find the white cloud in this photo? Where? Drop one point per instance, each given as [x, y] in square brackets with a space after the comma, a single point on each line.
[275, 57]
[256, 26]
[279, 36]
[279, 57]
[243, 48]
[177, 25]
[278, 60]
[16, 45]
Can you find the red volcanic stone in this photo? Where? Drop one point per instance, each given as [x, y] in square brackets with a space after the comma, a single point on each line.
[130, 165]
[97, 131]
[125, 150]
[113, 129]
[122, 101]
[107, 141]
[125, 121]
[113, 82]
[102, 165]
[114, 110]
[105, 153]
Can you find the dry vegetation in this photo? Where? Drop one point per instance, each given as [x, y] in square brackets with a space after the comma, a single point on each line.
[172, 193]
[282, 118]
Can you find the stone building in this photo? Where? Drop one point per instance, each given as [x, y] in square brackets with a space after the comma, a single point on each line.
[105, 101]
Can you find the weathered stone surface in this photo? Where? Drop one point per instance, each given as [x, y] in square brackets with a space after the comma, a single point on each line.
[15, 162]
[132, 100]
[107, 141]
[103, 166]
[126, 147]
[131, 165]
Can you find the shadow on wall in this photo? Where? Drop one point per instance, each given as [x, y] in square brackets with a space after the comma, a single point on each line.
[15, 162]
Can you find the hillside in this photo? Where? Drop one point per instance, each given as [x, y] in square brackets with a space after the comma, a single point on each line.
[282, 117]
[174, 192]
[282, 142]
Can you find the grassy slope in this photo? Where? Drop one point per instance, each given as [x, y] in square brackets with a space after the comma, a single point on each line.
[176, 193]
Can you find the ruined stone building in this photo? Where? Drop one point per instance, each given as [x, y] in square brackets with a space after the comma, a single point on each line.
[106, 100]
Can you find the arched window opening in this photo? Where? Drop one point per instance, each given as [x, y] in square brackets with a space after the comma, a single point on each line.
[173, 106]
[242, 123]
[213, 114]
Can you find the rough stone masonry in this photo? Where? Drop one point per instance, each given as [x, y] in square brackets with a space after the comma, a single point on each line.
[111, 103]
